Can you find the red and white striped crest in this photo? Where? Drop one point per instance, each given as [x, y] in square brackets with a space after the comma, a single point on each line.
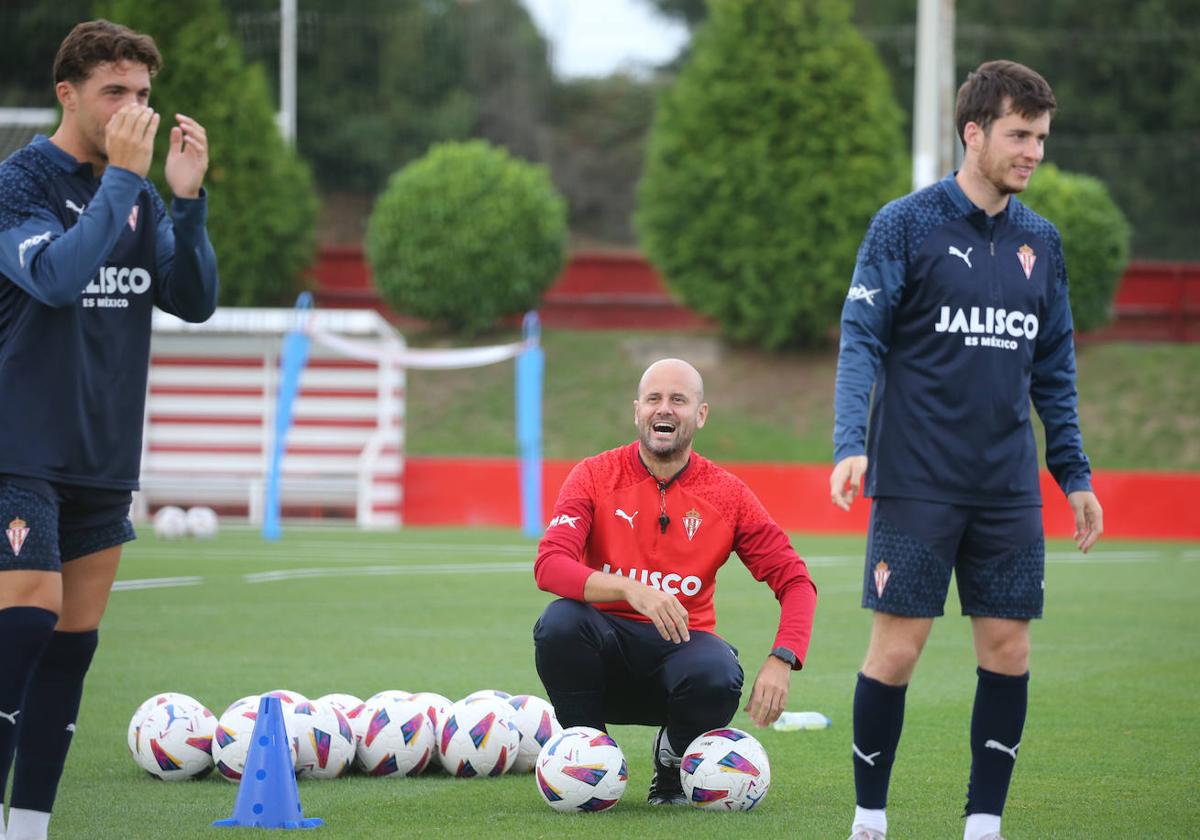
[881, 577]
[1028, 258]
[691, 523]
[17, 531]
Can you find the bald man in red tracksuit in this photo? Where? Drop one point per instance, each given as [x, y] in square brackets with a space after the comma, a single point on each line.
[633, 548]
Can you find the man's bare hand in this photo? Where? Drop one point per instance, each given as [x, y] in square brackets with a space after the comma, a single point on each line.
[1089, 518]
[669, 617]
[769, 696]
[845, 482]
[129, 138]
[187, 159]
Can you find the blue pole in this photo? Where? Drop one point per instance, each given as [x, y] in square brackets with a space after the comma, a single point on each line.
[291, 363]
[531, 365]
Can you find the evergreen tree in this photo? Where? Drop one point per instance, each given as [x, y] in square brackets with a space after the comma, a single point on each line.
[261, 203]
[768, 156]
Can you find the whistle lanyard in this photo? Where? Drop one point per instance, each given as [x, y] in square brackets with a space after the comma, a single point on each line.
[663, 519]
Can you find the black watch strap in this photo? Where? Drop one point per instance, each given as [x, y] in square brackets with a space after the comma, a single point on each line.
[786, 655]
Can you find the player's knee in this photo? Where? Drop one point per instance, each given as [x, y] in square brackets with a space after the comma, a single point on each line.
[563, 621]
[31, 589]
[892, 664]
[1008, 655]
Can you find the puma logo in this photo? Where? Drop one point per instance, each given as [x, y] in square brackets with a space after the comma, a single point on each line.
[626, 516]
[868, 759]
[996, 745]
[11, 718]
[954, 252]
[71, 205]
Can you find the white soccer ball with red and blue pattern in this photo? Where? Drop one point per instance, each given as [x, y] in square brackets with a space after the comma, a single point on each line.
[478, 739]
[139, 715]
[396, 739]
[581, 769]
[537, 724]
[175, 741]
[231, 738]
[725, 770]
[325, 741]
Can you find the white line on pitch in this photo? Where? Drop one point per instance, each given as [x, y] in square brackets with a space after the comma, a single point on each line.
[155, 583]
[438, 569]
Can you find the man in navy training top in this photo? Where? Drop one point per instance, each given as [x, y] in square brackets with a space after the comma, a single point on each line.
[87, 249]
[957, 316]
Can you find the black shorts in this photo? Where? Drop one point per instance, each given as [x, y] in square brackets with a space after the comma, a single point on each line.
[997, 555]
[47, 524]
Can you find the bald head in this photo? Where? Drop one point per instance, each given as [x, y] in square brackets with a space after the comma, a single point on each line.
[676, 373]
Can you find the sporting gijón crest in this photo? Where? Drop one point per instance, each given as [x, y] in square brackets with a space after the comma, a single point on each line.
[1028, 258]
[692, 520]
[881, 577]
[17, 531]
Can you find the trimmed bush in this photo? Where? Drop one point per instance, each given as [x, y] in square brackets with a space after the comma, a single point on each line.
[261, 202]
[466, 235]
[1095, 235]
[768, 156]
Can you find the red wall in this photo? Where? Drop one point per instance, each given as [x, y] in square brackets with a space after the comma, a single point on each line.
[1156, 301]
[1136, 504]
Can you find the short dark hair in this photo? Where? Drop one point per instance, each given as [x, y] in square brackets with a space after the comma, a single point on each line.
[98, 41]
[982, 96]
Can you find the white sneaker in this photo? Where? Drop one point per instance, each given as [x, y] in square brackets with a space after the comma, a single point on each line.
[867, 834]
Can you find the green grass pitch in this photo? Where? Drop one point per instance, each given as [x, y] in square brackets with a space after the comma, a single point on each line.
[1110, 748]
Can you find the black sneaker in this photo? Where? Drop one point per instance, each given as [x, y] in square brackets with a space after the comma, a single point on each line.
[666, 788]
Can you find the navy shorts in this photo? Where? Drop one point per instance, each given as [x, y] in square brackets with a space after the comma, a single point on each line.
[997, 555]
[47, 524]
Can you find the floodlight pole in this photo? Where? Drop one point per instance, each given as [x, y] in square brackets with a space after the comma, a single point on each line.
[934, 142]
[287, 70]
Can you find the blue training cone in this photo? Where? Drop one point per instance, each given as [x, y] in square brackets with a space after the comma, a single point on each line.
[268, 796]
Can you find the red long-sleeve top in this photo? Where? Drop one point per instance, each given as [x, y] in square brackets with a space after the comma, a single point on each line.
[608, 518]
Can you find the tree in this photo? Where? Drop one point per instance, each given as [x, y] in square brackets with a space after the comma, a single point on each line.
[466, 235]
[768, 156]
[261, 203]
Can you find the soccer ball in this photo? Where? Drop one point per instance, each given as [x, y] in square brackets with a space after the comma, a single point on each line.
[436, 707]
[135, 722]
[175, 742]
[390, 694]
[325, 742]
[250, 700]
[347, 704]
[725, 770]
[581, 769]
[478, 738]
[490, 693]
[202, 523]
[535, 720]
[397, 739]
[231, 739]
[170, 523]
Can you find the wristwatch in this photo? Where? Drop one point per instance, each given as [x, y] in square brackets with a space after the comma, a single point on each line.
[786, 655]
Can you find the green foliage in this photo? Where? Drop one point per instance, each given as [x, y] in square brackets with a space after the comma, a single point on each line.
[1095, 239]
[768, 157]
[467, 234]
[261, 203]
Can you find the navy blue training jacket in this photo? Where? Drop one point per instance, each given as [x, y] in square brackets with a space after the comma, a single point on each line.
[957, 320]
[83, 261]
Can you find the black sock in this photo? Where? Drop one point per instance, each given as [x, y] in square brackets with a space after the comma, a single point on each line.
[878, 719]
[48, 719]
[996, 725]
[24, 633]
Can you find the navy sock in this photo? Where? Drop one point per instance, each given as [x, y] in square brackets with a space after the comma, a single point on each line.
[996, 725]
[878, 719]
[48, 719]
[24, 633]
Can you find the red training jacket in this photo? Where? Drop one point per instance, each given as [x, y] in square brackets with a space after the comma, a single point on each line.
[607, 519]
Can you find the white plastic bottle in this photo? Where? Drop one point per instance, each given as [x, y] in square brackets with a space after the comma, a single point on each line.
[794, 721]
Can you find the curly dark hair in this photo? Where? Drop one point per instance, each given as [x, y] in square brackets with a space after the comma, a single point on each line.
[98, 41]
